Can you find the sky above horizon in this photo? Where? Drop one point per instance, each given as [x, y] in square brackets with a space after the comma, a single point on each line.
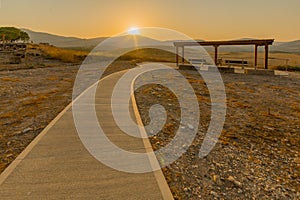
[199, 19]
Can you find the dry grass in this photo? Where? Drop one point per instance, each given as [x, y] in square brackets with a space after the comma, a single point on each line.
[11, 79]
[64, 55]
[149, 54]
[52, 78]
[7, 115]
[296, 107]
[35, 100]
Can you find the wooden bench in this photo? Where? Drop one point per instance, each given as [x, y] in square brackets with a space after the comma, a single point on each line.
[236, 62]
[197, 61]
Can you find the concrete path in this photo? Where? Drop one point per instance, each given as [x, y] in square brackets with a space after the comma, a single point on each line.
[56, 165]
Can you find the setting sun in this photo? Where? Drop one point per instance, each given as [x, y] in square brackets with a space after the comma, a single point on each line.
[133, 31]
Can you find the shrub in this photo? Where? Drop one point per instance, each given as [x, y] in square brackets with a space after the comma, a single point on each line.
[288, 68]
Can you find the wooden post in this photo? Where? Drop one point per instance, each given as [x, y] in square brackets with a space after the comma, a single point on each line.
[177, 56]
[286, 64]
[216, 55]
[255, 55]
[266, 56]
[243, 64]
[182, 61]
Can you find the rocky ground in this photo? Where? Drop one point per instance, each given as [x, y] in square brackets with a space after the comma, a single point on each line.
[257, 155]
[30, 99]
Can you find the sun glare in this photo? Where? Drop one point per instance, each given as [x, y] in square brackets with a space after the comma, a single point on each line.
[133, 31]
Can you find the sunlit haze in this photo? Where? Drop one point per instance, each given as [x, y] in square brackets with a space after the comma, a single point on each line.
[133, 31]
[200, 19]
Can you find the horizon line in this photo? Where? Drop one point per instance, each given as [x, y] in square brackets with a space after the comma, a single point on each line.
[95, 37]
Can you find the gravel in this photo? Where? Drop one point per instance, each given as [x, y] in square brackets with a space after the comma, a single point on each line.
[257, 155]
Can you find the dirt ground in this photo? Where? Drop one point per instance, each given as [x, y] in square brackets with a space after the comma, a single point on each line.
[32, 94]
[30, 99]
[257, 155]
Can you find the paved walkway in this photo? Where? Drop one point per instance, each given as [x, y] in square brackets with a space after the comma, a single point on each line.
[57, 166]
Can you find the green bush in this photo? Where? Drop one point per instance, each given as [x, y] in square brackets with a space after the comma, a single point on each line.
[288, 68]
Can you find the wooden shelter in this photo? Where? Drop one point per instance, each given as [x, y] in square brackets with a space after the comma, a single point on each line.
[216, 45]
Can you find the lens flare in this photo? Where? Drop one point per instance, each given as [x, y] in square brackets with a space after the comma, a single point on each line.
[133, 31]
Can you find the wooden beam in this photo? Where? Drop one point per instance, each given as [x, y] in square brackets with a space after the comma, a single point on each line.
[220, 43]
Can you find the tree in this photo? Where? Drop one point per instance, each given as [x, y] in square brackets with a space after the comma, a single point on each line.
[12, 34]
[24, 36]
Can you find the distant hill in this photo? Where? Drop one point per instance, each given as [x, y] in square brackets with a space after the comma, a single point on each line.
[290, 47]
[129, 41]
[73, 42]
[62, 41]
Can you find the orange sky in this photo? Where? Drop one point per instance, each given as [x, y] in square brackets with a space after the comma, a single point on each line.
[200, 19]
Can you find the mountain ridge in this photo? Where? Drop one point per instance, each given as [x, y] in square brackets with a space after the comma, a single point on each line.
[76, 42]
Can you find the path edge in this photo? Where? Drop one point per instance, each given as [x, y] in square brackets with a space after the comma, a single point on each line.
[159, 176]
[12, 166]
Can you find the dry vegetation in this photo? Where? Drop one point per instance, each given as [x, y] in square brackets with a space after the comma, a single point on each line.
[149, 54]
[64, 55]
